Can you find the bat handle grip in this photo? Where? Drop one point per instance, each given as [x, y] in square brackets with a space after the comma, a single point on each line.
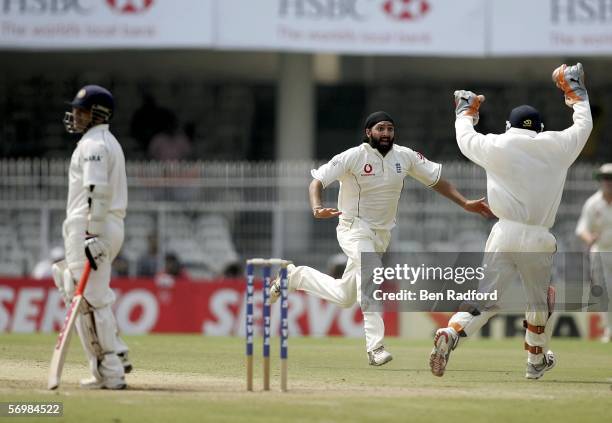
[83, 280]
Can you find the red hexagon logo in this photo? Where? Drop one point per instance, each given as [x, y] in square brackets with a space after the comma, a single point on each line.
[406, 10]
[130, 6]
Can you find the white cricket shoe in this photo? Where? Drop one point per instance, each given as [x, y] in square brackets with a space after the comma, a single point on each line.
[125, 361]
[536, 371]
[607, 336]
[275, 286]
[95, 383]
[379, 356]
[445, 341]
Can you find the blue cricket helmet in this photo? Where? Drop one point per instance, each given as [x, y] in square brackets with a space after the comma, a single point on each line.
[91, 95]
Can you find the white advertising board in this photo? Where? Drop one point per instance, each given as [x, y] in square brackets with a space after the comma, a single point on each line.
[65, 24]
[551, 27]
[423, 27]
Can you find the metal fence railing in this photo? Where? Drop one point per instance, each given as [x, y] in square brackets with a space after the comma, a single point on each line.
[212, 214]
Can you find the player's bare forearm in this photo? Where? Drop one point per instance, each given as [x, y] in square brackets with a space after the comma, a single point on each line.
[314, 194]
[316, 204]
[588, 238]
[449, 190]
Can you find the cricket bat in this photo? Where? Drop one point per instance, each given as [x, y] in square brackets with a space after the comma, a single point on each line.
[63, 339]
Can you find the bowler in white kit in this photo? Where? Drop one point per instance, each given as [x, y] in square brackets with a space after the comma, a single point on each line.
[93, 231]
[526, 169]
[371, 178]
[595, 229]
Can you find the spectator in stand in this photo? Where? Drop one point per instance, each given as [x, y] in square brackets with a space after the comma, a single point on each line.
[149, 120]
[147, 263]
[233, 270]
[121, 266]
[42, 269]
[170, 144]
[173, 269]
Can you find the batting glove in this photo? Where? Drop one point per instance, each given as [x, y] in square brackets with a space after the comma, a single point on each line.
[570, 79]
[95, 251]
[467, 104]
[63, 280]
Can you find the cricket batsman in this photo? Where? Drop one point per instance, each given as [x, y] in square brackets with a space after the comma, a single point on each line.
[371, 178]
[526, 169]
[93, 231]
[594, 228]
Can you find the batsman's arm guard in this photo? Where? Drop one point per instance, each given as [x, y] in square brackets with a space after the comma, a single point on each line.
[98, 200]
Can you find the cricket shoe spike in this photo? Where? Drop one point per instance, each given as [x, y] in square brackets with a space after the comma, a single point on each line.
[536, 371]
[379, 356]
[125, 361]
[275, 286]
[445, 341]
[95, 383]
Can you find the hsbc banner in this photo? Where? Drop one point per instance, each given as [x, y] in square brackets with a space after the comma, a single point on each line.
[551, 27]
[63, 24]
[425, 27]
[207, 307]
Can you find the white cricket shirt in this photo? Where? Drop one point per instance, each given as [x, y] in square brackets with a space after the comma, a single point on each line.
[596, 217]
[526, 170]
[97, 160]
[371, 185]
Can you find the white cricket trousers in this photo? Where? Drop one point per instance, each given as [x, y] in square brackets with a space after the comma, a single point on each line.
[355, 237]
[98, 294]
[516, 249]
[601, 272]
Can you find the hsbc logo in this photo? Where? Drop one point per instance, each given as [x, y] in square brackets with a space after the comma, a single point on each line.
[65, 7]
[128, 7]
[580, 11]
[356, 10]
[406, 10]
[45, 7]
[323, 9]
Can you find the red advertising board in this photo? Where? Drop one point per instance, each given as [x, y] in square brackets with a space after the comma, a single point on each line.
[208, 307]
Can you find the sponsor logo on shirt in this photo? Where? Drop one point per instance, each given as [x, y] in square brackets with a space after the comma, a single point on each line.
[398, 168]
[367, 170]
[93, 158]
[421, 157]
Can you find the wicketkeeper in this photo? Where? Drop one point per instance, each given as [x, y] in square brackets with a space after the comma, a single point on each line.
[526, 170]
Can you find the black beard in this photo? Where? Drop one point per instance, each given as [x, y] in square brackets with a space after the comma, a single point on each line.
[383, 149]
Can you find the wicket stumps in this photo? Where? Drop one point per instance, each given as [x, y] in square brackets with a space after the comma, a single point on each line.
[266, 265]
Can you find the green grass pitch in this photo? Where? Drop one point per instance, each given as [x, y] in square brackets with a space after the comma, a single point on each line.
[183, 378]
